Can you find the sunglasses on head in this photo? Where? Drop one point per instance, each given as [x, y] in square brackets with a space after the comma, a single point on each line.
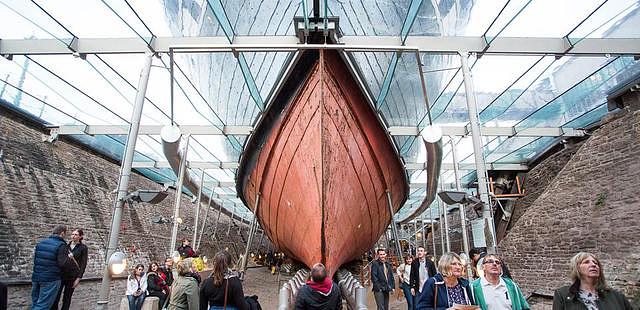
[492, 261]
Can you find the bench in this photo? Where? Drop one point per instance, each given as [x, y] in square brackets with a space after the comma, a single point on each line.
[150, 303]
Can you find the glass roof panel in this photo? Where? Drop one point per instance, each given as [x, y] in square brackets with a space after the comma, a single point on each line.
[98, 21]
[369, 17]
[441, 103]
[258, 17]
[584, 96]
[265, 69]
[372, 68]
[509, 95]
[615, 19]
[27, 20]
[438, 71]
[558, 21]
[528, 151]
[405, 104]
[588, 118]
[48, 78]
[556, 79]
[507, 147]
[448, 18]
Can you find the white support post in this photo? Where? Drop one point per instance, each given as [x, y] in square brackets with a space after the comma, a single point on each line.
[463, 214]
[123, 181]
[481, 169]
[197, 216]
[176, 210]
[394, 229]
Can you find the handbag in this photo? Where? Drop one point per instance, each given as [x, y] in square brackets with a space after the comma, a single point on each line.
[226, 290]
[435, 299]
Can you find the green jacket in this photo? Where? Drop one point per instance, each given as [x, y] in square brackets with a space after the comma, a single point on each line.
[518, 302]
[185, 294]
[566, 298]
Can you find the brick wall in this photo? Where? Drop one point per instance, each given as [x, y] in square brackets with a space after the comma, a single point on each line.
[44, 184]
[591, 205]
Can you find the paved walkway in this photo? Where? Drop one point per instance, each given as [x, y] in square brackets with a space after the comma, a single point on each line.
[259, 281]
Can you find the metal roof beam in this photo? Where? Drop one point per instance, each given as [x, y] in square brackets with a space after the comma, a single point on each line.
[470, 166]
[446, 44]
[246, 130]
[150, 130]
[408, 166]
[494, 131]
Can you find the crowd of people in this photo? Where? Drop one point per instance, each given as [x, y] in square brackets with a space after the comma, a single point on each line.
[488, 287]
[60, 265]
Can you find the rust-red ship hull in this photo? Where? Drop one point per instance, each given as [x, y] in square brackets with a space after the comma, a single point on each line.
[323, 169]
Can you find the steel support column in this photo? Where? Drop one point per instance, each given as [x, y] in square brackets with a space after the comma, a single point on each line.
[481, 169]
[442, 243]
[463, 214]
[433, 232]
[252, 231]
[123, 180]
[394, 229]
[445, 215]
[197, 219]
[176, 209]
[206, 219]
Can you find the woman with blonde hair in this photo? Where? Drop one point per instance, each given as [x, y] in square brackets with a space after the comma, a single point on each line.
[589, 289]
[448, 287]
[184, 291]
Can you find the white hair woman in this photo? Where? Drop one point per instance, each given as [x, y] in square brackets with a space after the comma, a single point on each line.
[184, 292]
[589, 289]
[447, 287]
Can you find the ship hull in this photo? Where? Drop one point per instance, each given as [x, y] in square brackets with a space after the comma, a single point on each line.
[323, 169]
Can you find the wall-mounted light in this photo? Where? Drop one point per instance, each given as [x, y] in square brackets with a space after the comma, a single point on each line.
[147, 196]
[117, 262]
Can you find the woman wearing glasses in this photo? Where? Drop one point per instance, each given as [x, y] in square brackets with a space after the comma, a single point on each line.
[494, 292]
[137, 288]
[589, 290]
[447, 288]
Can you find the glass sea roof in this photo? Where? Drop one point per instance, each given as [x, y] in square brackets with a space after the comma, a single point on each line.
[541, 70]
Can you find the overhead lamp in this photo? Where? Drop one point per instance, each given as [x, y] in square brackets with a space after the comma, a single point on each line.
[147, 196]
[455, 197]
[117, 262]
[431, 133]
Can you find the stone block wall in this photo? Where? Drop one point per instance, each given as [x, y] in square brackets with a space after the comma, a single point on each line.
[592, 205]
[46, 184]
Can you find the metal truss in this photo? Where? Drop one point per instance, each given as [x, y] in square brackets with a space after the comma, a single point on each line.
[408, 166]
[460, 131]
[445, 45]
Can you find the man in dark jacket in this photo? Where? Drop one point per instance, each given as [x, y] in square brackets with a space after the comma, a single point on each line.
[319, 292]
[422, 269]
[73, 270]
[49, 258]
[382, 280]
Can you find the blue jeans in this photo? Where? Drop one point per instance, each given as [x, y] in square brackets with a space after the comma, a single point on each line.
[222, 308]
[406, 290]
[43, 294]
[135, 302]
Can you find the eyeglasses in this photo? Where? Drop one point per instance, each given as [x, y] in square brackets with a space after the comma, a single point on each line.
[492, 261]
